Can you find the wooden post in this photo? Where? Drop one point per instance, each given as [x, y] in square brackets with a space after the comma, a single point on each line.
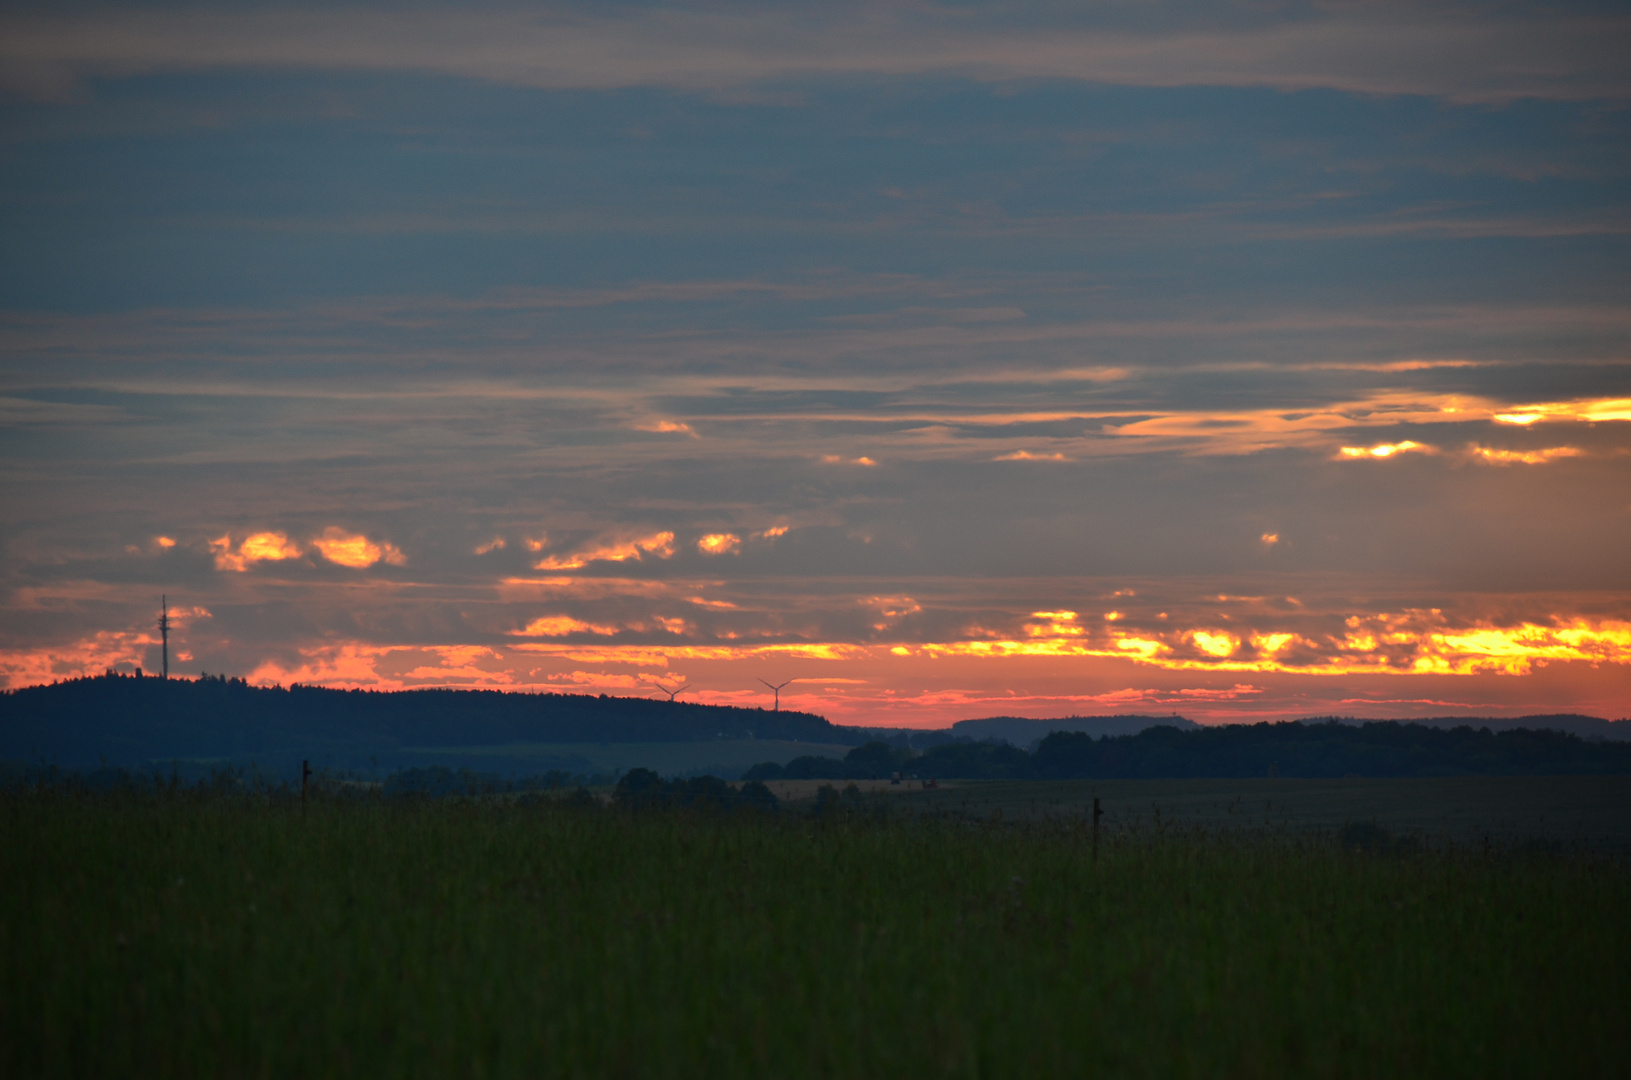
[1098, 812]
[305, 773]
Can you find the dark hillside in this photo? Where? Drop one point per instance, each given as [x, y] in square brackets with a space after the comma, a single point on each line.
[125, 720]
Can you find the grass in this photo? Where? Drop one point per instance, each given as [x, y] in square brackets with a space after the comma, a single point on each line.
[1567, 811]
[190, 934]
[724, 757]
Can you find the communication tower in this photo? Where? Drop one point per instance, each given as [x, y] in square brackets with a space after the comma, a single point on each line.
[164, 631]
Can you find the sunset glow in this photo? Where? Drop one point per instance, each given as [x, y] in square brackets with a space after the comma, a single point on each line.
[1229, 360]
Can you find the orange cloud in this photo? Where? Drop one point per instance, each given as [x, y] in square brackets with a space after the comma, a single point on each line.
[720, 544]
[355, 550]
[1026, 455]
[1584, 410]
[773, 532]
[1412, 642]
[560, 626]
[660, 544]
[1214, 644]
[388, 667]
[1270, 538]
[891, 609]
[258, 547]
[1521, 457]
[668, 427]
[94, 654]
[1385, 450]
[164, 541]
[495, 544]
[836, 459]
[1055, 624]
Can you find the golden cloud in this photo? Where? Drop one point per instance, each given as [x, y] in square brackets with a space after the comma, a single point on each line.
[257, 547]
[1521, 457]
[1385, 450]
[660, 544]
[720, 544]
[560, 626]
[668, 427]
[1413, 642]
[1026, 455]
[1588, 411]
[355, 550]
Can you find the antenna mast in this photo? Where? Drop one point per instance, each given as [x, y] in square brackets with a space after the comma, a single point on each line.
[778, 690]
[164, 631]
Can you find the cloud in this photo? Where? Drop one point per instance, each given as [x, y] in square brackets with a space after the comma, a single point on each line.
[720, 544]
[1412, 642]
[355, 550]
[561, 626]
[668, 427]
[1382, 451]
[1588, 411]
[1458, 54]
[1026, 455]
[257, 547]
[659, 544]
[1491, 456]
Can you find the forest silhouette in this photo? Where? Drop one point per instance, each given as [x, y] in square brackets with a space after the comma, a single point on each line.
[125, 721]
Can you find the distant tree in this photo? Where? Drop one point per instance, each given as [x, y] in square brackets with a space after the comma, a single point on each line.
[875, 759]
[755, 796]
[638, 789]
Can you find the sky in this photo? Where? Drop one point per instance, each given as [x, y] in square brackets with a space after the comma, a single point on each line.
[1244, 361]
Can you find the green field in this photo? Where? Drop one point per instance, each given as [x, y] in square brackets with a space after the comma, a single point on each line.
[208, 934]
[1590, 812]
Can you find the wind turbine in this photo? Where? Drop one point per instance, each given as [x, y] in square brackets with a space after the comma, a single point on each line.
[778, 690]
[671, 693]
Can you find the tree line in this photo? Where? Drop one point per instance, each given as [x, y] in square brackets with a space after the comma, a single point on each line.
[1291, 749]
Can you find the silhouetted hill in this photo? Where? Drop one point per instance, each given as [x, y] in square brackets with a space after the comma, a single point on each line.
[1023, 732]
[127, 720]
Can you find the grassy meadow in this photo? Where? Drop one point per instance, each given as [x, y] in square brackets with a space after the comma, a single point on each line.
[191, 933]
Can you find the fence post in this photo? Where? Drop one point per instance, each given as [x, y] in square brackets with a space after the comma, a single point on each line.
[305, 773]
[1098, 812]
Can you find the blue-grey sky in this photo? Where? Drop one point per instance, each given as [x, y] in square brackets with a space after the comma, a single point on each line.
[1240, 360]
